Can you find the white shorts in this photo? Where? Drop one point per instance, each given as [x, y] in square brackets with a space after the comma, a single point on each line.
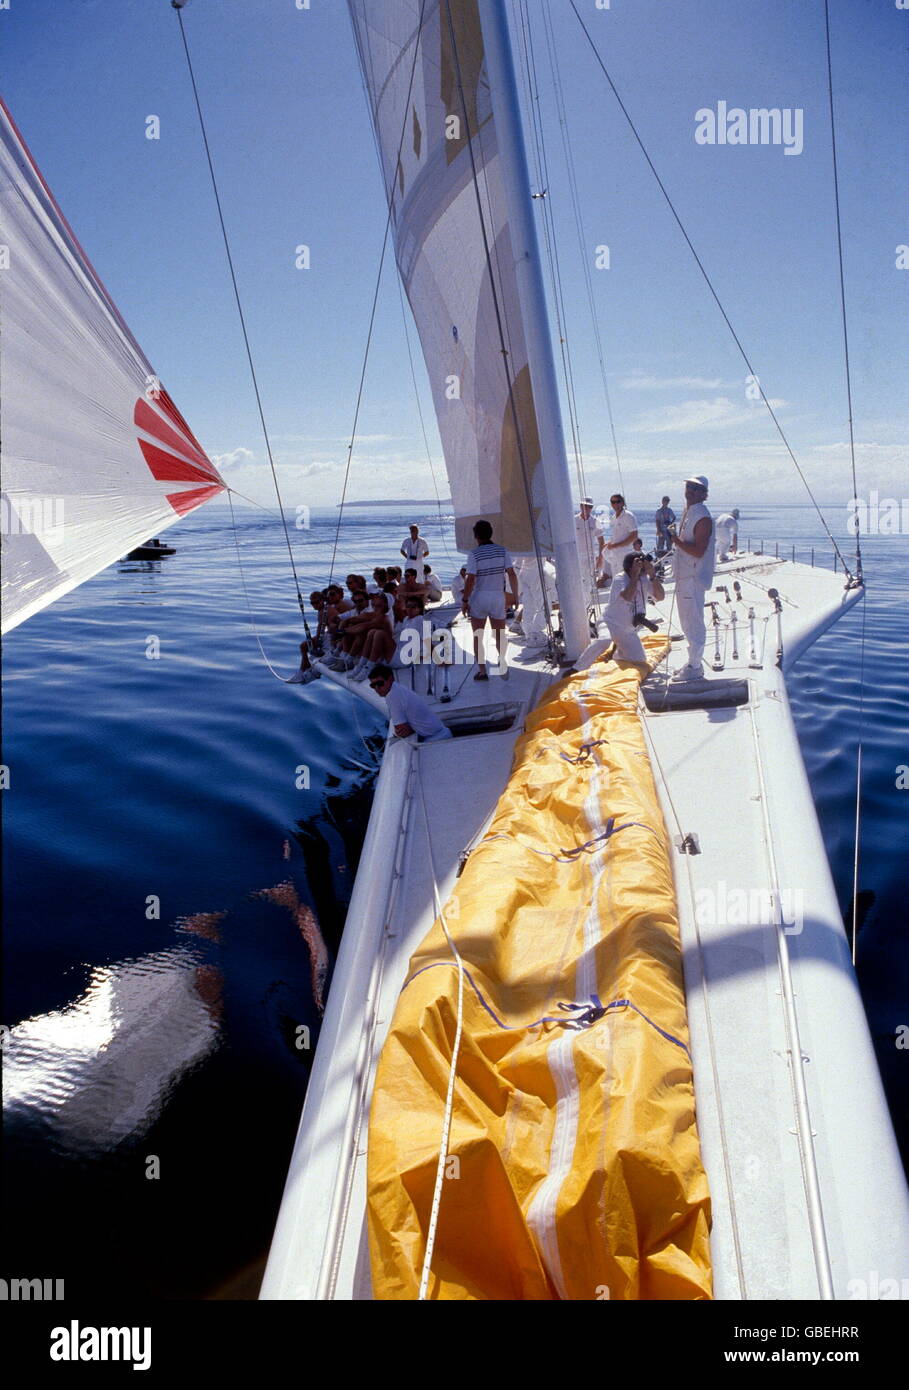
[482, 606]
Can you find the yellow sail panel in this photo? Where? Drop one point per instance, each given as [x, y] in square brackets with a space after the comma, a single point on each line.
[573, 1167]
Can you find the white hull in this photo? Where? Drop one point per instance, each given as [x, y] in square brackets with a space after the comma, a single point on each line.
[809, 1197]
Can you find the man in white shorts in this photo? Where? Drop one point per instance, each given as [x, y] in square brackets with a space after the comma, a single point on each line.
[409, 712]
[692, 568]
[484, 599]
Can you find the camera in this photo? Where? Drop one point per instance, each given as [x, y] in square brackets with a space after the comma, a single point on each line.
[639, 620]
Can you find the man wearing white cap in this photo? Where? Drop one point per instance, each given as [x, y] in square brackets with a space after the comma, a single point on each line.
[727, 533]
[692, 567]
[589, 538]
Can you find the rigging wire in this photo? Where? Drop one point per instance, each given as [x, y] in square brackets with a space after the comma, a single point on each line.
[839, 248]
[858, 542]
[390, 194]
[233, 277]
[533, 102]
[719, 303]
[501, 321]
[416, 391]
[579, 225]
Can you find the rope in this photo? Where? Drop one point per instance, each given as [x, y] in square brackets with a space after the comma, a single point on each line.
[719, 303]
[233, 277]
[453, 1070]
[277, 674]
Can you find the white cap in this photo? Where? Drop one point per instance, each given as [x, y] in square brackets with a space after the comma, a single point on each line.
[700, 480]
[586, 502]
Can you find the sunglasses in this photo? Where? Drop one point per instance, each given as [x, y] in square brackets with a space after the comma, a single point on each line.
[377, 685]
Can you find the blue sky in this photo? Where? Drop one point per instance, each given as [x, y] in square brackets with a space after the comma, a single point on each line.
[296, 164]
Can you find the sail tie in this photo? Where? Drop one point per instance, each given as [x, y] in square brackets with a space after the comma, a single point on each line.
[569, 855]
[582, 1015]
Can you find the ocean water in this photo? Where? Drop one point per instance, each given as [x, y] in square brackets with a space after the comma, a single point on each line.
[177, 817]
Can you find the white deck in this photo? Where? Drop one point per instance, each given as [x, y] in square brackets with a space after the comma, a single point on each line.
[808, 1192]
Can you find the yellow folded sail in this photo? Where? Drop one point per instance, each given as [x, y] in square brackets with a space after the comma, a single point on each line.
[572, 1168]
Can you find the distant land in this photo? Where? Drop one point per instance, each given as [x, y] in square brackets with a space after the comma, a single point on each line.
[400, 502]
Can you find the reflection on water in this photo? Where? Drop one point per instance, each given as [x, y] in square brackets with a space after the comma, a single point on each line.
[99, 1071]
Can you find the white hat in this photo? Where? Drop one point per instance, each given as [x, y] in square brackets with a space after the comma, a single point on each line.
[700, 480]
[586, 502]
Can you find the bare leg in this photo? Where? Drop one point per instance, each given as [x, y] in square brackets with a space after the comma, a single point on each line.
[479, 645]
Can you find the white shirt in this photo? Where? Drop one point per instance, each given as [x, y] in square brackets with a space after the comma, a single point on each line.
[457, 587]
[434, 586]
[620, 528]
[587, 533]
[727, 530]
[414, 550]
[488, 564]
[686, 566]
[622, 610]
[405, 706]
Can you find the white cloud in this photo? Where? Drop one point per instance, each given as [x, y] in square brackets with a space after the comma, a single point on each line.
[639, 381]
[232, 459]
[689, 416]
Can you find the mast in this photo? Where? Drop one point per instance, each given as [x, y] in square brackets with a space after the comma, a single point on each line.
[554, 459]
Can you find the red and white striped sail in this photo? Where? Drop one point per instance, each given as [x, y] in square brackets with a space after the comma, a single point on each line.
[95, 455]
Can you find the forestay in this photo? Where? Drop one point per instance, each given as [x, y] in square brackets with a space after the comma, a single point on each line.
[430, 99]
[96, 456]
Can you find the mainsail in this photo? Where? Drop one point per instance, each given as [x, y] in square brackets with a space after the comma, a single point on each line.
[439, 148]
[96, 456]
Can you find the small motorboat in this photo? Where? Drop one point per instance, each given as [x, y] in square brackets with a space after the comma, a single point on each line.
[151, 550]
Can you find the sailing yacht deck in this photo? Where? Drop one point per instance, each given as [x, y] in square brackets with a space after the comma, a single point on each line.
[805, 1201]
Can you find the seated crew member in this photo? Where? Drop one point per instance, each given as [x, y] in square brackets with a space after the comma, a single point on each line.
[379, 580]
[457, 585]
[433, 584]
[413, 636]
[628, 599]
[409, 712]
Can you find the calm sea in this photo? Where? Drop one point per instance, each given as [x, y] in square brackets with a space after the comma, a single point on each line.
[173, 812]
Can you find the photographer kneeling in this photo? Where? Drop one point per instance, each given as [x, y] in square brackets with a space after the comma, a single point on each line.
[626, 610]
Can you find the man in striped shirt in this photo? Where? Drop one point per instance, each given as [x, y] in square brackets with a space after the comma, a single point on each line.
[488, 566]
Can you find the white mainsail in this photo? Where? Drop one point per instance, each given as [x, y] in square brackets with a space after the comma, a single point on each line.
[439, 148]
[96, 457]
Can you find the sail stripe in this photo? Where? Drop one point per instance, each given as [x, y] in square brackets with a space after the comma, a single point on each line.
[147, 420]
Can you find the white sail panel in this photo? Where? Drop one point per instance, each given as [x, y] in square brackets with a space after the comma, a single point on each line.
[95, 455]
[431, 106]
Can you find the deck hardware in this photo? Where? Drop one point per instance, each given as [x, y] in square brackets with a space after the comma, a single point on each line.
[687, 844]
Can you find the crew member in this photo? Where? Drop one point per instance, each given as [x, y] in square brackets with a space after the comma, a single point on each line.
[628, 599]
[693, 560]
[664, 516]
[409, 712]
[623, 532]
[414, 548]
[488, 566]
[727, 534]
[589, 539]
